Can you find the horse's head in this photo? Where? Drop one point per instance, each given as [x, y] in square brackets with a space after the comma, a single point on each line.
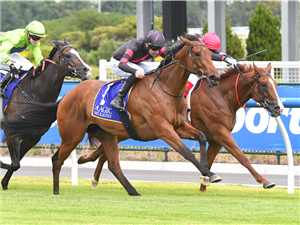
[200, 61]
[266, 88]
[72, 62]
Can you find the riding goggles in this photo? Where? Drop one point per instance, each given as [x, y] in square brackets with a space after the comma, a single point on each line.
[35, 38]
[154, 48]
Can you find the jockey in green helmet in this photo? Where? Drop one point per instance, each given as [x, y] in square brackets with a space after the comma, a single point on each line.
[17, 41]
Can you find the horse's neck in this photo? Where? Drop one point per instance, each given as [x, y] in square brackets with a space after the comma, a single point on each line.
[240, 94]
[243, 89]
[47, 86]
[174, 78]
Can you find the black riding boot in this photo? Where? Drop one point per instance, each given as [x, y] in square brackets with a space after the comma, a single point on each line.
[3, 85]
[118, 101]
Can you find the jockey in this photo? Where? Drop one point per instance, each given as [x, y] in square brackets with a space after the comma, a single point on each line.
[17, 41]
[127, 61]
[213, 43]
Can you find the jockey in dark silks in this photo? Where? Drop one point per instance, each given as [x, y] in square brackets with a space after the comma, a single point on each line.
[17, 41]
[213, 43]
[127, 61]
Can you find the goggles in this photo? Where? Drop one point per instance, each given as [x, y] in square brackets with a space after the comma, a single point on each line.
[154, 48]
[35, 38]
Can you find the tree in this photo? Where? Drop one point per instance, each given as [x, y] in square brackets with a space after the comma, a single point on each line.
[264, 34]
[234, 46]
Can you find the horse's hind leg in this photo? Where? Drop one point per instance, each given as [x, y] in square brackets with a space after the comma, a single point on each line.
[102, 160]
[90, 158]
[24, 148]
[14, 151]
[110, 143]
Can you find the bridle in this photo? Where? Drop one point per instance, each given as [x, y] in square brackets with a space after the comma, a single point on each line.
[196, 71]
[259, 95]
[69, 67]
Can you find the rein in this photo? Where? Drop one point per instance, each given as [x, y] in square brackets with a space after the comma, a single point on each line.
[69, 69]
[196, 71]
[261, 98]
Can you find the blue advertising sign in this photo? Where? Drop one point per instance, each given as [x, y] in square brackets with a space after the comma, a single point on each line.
[255, 129]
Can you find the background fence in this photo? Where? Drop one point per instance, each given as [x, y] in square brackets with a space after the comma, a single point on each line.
[283, 72]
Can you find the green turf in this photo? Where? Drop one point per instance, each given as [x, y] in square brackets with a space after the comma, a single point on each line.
[29, 200]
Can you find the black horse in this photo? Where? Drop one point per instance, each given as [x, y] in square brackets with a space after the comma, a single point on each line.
[63, 61]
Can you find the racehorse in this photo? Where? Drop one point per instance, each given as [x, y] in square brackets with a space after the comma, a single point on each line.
[63, 61]
[213, 111]
[156, 113]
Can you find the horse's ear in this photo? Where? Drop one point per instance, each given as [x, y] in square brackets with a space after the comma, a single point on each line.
[185, 40]
[269, 68]
[255, 68]
[66, 42]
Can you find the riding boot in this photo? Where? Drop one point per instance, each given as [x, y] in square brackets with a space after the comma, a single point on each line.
[4, 84]
[118, 101]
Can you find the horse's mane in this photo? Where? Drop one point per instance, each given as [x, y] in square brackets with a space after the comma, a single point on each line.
[177, 47]
[231, 71]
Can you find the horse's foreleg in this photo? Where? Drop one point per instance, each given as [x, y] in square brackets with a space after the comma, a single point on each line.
[168, 134]
[90, 158]
[225, 138]
[212, 151]
[24, 148]
[188, 132]
[102, 160]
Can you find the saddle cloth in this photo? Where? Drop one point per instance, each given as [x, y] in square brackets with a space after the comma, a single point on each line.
[102, 108]
[11, 86]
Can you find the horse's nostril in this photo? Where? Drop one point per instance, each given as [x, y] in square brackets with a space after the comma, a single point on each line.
[85, 69]
[214, 78]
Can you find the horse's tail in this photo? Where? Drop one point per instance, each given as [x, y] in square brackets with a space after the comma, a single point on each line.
[94, 142]
[37, 118]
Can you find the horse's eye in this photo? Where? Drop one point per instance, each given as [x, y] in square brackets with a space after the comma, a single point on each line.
[197, 54]
[263, 84]
[68, 56]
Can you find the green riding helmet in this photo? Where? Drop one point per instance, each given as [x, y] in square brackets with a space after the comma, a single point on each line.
[36, 28]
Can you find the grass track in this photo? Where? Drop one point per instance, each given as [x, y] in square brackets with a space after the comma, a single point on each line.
[29, 200]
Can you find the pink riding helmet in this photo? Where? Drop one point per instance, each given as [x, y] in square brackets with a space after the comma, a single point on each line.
[212, 41]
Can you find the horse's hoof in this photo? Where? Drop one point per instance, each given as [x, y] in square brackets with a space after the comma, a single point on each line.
[269, 185]
[80, 160]
[4, 185]
[134, 194]
[215, 179]
[94, 183]
[205, 181]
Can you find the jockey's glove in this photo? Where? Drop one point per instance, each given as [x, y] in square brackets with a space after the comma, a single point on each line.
[230, 61]
[13, 69]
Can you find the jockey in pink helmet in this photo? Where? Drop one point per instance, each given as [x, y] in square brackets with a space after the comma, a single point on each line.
[213, 43]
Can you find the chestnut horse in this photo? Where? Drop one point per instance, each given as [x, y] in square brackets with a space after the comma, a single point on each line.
[156, 113]
[63, 61]
[213, 111]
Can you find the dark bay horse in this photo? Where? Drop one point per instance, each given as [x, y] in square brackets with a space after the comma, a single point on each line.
[213, 111]
[63, 61]
[157, 113]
